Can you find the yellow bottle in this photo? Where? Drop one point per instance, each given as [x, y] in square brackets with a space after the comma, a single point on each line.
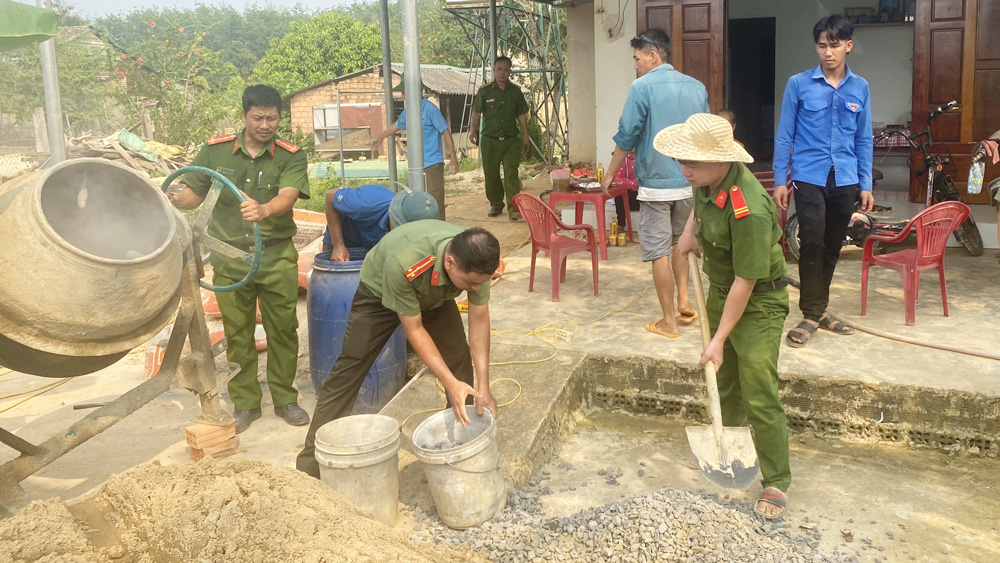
[600, 171]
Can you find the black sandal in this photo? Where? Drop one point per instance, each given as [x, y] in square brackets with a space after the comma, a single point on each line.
[835, 326]
[803, 331]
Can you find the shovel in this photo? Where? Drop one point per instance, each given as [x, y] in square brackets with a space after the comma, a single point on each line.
[726, 456]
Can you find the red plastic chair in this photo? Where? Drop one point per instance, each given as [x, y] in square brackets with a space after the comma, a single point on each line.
[543, 224]
[933, 226]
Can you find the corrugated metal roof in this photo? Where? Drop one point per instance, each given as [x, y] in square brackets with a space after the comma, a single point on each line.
[439, 79]
[448, 80]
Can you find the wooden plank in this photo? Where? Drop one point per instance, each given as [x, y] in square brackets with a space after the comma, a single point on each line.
[128, 158]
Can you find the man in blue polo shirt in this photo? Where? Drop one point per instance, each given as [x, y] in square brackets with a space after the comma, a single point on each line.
[658, 98]
[825, 136]
[360, 217]
[435, 127]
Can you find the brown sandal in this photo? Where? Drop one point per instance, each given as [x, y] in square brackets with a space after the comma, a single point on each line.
[803, 331]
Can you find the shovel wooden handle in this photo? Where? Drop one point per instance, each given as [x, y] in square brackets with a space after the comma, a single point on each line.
[714, 408]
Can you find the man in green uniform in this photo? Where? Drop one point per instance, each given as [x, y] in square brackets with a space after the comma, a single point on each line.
[736, 223]
[413, 276]
[271, 173]
[503, 109]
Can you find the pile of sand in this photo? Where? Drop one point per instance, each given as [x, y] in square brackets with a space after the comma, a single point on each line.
[234, 510]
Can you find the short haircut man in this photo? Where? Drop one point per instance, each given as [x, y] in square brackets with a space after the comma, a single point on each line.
[824, 146]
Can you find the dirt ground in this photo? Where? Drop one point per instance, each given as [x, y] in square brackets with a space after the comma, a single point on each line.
[466, 204]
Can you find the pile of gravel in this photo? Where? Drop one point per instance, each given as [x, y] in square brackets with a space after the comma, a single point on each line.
[665, 525]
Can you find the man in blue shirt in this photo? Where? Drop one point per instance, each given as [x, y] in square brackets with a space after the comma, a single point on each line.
[359, 218]
[658, 98]
[825, 137]
[435, 127]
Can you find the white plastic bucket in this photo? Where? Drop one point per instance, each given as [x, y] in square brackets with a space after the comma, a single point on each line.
[463, 467]
[359, 458]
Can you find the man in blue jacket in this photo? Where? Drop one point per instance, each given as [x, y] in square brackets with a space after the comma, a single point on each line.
[658, 98]
[360, 217]
[825, 137]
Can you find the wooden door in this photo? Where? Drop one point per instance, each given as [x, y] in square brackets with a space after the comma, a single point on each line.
[697, 39]
[956, 57]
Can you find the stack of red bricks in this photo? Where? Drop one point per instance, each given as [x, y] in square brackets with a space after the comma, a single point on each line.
[216, 441]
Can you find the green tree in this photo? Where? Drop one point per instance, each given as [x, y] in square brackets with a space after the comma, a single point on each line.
[240, 37]
[190, 90]
[329, 45]
[84, 78]
[442, 39]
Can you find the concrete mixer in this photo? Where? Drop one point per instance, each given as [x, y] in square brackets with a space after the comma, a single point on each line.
[94, 262]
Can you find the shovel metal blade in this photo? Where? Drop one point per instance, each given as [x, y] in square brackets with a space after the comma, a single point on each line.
[729, 461]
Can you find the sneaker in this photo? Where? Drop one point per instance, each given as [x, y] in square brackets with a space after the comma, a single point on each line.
[495, 212]
[293, 414]
[245, 418]
[515, 216]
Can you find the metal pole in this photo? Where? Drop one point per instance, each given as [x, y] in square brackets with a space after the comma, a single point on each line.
[493, 35]
[340, 139]
[413, 97]
[390, 148]
[50, 84]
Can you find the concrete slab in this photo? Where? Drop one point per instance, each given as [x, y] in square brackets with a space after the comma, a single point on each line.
[865, 386]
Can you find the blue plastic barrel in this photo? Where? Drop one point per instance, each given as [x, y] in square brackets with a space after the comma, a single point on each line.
[331, 291]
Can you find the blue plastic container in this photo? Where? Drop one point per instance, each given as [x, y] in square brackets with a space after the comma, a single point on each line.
[331, 291]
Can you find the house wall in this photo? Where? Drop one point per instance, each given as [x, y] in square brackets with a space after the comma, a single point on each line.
[580, 83]
[614, 71]
[302, 104]
[882, 55]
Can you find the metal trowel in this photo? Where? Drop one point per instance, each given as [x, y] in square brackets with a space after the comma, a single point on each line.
[726, 456]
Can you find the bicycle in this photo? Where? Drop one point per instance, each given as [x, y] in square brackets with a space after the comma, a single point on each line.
[940, 187]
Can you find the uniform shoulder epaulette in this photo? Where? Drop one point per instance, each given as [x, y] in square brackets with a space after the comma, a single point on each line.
[286, 145]
[420, 267]
[220, 139]
[487, 85]
[739, 202]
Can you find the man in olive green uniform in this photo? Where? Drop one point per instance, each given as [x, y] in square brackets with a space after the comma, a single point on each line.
[736, 223]
[503, 109]
[271, 173]
[412, 276]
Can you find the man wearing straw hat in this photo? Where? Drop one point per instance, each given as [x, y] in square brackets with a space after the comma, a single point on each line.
[659, 97]
[412, 277]
[737, 226]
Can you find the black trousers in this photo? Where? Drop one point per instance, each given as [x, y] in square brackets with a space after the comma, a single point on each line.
[369, 326]
[824, 213]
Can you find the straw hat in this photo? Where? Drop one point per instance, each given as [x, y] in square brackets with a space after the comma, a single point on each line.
[703, 137]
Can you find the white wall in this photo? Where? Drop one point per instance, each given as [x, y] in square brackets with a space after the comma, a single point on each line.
[580, 83]
[614, 70]
[882, 55]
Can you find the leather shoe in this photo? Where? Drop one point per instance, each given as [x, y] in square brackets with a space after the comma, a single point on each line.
[293, 414]
[515, 216]
[494, 212]
[245, 418]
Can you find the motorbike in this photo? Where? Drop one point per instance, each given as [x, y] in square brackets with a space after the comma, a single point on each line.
[940, 187]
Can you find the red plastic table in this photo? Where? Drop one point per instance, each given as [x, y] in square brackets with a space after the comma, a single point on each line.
[598, 199]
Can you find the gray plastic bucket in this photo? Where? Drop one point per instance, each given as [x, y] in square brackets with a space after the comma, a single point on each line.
[463, 467]
[359, 458]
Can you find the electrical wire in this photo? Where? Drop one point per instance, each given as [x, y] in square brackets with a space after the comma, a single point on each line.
[41, 390]
[546, 334]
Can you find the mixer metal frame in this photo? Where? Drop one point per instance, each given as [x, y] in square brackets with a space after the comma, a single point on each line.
[194, 372]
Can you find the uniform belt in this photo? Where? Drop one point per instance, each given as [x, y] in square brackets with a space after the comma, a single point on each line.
[765, 287]
[504, 138]
[263, 246]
